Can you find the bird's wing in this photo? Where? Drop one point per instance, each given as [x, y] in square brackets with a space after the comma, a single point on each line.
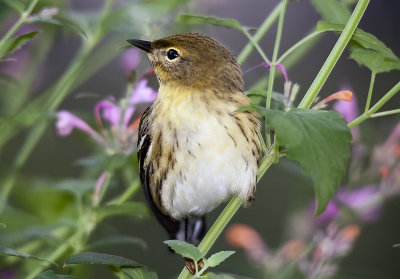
[144, 143]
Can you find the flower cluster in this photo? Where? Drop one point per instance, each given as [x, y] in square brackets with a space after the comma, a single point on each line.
[117, 129]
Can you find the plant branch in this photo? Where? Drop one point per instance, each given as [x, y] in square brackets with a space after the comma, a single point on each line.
[371, 86]
[335, 54]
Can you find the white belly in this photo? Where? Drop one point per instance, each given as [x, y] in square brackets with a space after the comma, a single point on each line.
[213, 169]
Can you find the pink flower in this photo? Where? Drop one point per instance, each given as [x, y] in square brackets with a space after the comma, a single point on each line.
[120, 136]
[130, 59]
[349, 111]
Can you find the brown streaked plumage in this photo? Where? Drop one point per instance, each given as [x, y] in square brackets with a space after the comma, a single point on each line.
[196, 150]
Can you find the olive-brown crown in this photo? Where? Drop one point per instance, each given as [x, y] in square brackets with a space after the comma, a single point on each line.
[195, 61]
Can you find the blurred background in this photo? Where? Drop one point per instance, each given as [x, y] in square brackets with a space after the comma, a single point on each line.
[283, 194]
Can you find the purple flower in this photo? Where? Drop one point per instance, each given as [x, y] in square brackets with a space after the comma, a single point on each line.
[122, 135]
[349, 111]
[365, 202]
[130, 59]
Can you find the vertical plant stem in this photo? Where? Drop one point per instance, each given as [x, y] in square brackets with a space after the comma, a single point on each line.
[371, 86]
[333, 57]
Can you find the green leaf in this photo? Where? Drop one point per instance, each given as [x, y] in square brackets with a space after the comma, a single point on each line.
[185, 249]
[140, 273]
[137, 209]
[197, 19]
[360, 38]
[319, 141]
[219, 257]
[4, 251]
[211, 275]
[16, 43]
[78, 187]
[100, 258]
[16, 5]
[50, 274]
[3, 225]
[119, 239]
[332, 10]
[374, 60]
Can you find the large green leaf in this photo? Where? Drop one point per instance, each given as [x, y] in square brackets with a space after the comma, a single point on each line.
[16, 5]
[137, 209]
[185, 249]
[332, 10]
[16, 43]
[50, 274]
[319, 141]
[119, 239]
[100, 258]
[4, 251]
[197, 19]
[374, 60]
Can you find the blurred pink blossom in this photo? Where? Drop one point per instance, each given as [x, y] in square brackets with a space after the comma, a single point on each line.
[130, 59]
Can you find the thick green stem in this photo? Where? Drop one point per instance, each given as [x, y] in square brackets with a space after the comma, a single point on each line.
[395, 89]
[335, 54]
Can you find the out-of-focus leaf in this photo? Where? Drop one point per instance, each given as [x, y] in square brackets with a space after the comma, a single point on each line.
[115, 161]
[137, 209]
[319, 141]
[197, 19]
[332, 10]
[16, 43]
[50, 274]
[100, 258]
[139, 272]
[211, 275]
[2, 225]
[66, 21]
[16, 5]
[219, 257]
[374, 60]
[117, 240]
[14, 253]
[78, 187]
[185, 249]
[360, 37]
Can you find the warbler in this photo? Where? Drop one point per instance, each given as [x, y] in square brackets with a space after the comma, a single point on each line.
[196, 150]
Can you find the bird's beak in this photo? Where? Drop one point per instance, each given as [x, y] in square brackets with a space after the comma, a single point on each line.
[143, 45]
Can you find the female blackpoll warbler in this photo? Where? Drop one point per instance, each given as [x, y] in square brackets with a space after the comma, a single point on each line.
[195, 148]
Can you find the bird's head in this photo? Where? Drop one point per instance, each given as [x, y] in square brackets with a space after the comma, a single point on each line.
[193, 61]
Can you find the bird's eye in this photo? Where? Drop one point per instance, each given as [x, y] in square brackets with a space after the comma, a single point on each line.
[172, 54]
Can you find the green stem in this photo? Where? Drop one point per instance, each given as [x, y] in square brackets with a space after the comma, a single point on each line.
[256, 45]
[299, 44]
[335, 54]
[385, 113]
[132, 189]
[371, 86]
[395, 89]
[22, 19]
[224, 218]
[264, 27]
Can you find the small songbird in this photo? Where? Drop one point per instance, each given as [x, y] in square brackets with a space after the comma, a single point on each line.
[196, 150]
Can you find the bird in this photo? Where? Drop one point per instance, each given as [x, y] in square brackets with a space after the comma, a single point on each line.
[196, 149]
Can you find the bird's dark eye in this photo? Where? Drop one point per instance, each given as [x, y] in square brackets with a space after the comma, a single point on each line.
[172, 54]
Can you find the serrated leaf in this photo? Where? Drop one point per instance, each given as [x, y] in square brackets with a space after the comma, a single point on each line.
[197, 19]
[14, 253]
[119, 239]
[140, 273]
[100, 258]
[185, 249]
[16, 5]
[219, 257]
[360, 38]
[374, 60]
[137, 209]
[16, 43]
[50, 274]
[319, 141]
[332, 10]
